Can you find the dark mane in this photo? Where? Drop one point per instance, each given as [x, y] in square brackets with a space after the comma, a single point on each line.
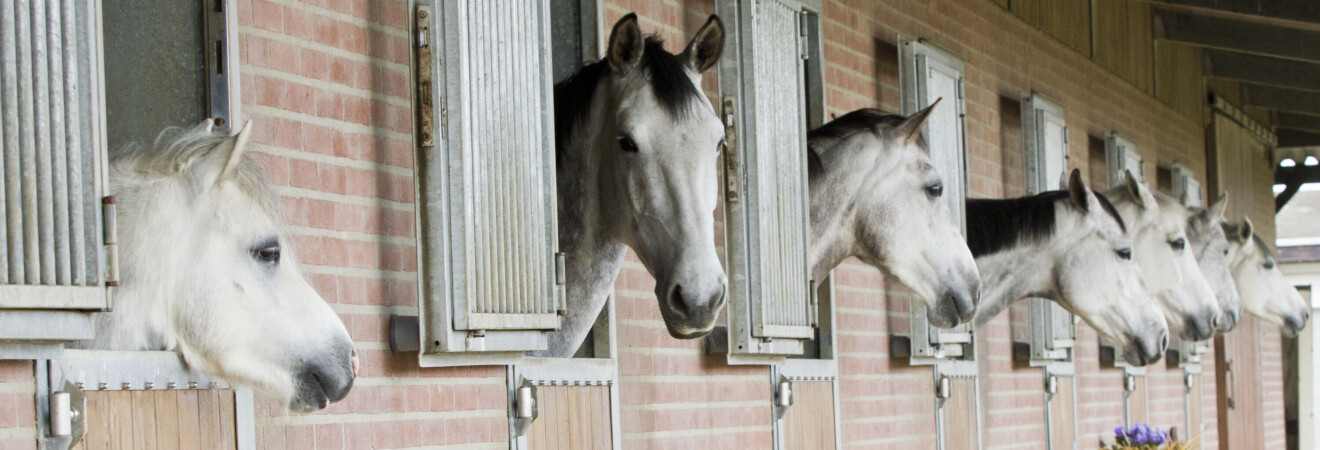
[825, 137]
[997, 224]
[668, 79]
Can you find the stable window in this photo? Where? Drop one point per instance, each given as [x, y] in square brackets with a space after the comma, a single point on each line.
[56, 254]
[928, 74]
[763, 103]
[490, 275]
[1045, 136]
[1121, 155]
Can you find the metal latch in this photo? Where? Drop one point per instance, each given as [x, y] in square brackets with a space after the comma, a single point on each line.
[525, 408]
[731, 169]
[425, 79]
[783, 397]
[111, 238]
[67, 414]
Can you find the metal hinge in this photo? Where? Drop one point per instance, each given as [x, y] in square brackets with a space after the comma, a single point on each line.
[561, 281]
[731, 170]
[803, 42]
[111, 240]
[425, 78]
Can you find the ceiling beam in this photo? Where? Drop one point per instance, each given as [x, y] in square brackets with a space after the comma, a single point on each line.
[1281, 99]
[1297, 138]
[1263, 69]
[1237, 35]
[1293, 178]
[1293, 121]
[1298, 10]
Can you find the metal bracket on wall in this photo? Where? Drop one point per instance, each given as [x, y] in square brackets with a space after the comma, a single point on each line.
[425, 77]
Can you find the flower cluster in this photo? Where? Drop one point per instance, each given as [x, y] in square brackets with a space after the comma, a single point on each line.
[1141, 436]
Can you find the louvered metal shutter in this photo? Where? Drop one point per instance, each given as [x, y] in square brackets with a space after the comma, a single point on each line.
[764, 91]
[487, 185]
[1045, 134]
[927, 74]
[1185, 181]
[1121, 155]
[51, 242]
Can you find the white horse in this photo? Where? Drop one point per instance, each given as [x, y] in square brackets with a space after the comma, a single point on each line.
[1158, 226]
[1265, 293]
[1071, 247]
[638, 146]
[876, 196]
[207, 270]
[1210, 245]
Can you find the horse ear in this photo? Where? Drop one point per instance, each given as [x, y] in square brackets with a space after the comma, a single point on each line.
[1246, 230]
[1216, 210]
[1140, 193]
[626, 44]
[911, 126]
[706, 47]
[1064, 179]
[235, 146]
[1078, 193]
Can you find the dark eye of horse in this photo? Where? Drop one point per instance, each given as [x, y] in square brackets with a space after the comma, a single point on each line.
[1225, 252]
[1125, 253]
[627, 144]
[1178, 244]
[935, 190]
[1269, 265]
[268, 254]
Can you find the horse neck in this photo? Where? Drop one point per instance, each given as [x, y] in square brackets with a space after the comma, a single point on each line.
[148, 284]
[592, 256]
[833, 211]
[1013, 274]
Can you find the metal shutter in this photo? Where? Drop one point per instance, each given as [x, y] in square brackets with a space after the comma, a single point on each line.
[1121, 155]
[1045, 134]
[486, 177]
[762, 82]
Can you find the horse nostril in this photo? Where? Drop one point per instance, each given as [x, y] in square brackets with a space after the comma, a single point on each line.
[676, 301]
[1214, 321]
[1164, 341]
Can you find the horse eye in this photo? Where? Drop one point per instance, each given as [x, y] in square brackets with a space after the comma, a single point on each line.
[1225, 252]
[935, 190]
[1125, 253]
[1178, 244]
[627, 144]
[269, 254]
[1269, 265]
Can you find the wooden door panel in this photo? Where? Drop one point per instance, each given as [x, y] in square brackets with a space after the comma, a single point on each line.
[1063, 415]
[571, 418]
[959, 413]
[809, 423]
[164, 419]
[1137, 401]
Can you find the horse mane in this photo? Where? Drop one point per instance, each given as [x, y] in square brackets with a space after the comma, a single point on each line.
[1002, 223]
[835, 132]
[665, 71]
[176, 151]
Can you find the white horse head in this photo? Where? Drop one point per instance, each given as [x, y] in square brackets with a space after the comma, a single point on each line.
[1265, 293]
[638, 148]
[207, 270]
[1210, 245]
[1158, 225]
[1072, 247]
[875, 195]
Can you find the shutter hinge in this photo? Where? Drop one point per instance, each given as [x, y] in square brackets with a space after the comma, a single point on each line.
[731, 170]
[561, 281]
[110, 236]
[803, 42]
[425, 78]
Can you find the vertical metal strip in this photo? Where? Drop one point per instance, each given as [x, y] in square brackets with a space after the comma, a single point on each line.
[27, 147]
[13, 222]
[60, 144]
[79, 150]
[45, 210]
[6, 42]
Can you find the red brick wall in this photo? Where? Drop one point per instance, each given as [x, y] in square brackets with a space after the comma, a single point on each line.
[326, 84]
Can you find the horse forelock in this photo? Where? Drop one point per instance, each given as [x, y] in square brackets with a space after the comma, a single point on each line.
[840, 131]
[189, 153]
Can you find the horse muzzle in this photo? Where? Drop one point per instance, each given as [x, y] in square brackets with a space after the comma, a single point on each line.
[324, 380]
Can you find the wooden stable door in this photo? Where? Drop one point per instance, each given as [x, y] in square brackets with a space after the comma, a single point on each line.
[1240, 402]
[959, 427]
[160, 419]
[571, 418]
[809, 423]
[1062, 410]
[1193, 401]
[1136, 401]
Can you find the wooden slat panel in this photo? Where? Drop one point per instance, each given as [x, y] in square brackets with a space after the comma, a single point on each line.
[571, 418]
[809, 423]
[1195, 413]
[1242, 425]
[1138, 402]
[1179, 82]
[959, 411]
[163, 419]
[1123, 43]
[1063, 415]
